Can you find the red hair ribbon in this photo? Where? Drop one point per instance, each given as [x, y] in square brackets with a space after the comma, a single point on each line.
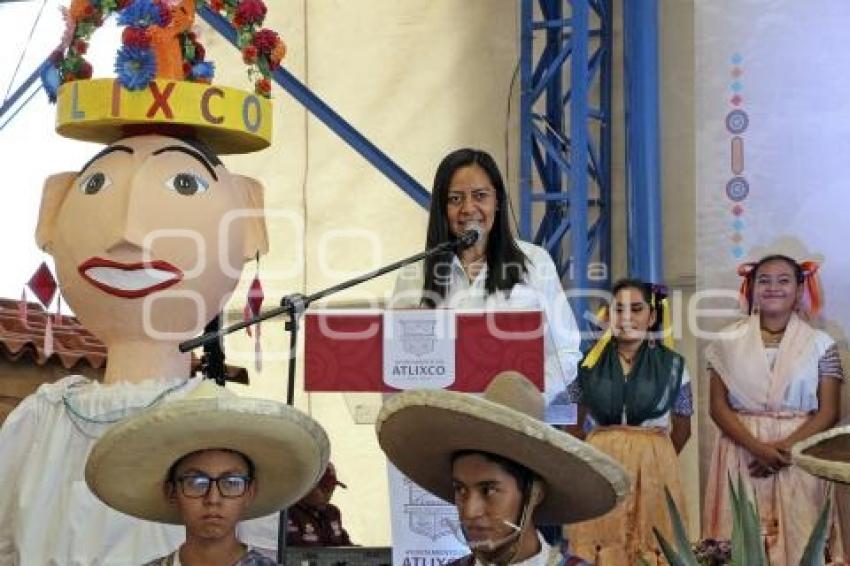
[812, 286]
[745, 270]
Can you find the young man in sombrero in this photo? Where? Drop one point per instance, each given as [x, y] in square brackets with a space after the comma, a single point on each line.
[210, 460]
[504, 468]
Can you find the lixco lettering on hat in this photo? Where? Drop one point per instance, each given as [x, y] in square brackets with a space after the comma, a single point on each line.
[163, 83]
[229, 120]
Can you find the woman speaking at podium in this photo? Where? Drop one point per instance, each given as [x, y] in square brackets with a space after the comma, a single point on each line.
[496, 272]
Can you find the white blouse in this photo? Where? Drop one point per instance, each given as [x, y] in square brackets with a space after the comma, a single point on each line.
[542, 290]
[802, 393]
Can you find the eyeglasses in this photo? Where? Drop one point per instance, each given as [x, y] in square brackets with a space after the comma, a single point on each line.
[199, 485]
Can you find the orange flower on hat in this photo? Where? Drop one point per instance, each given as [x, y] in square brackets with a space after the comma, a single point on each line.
[79, 9]
[278, 53]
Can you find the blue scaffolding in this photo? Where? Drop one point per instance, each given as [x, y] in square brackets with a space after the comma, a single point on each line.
[565, 137]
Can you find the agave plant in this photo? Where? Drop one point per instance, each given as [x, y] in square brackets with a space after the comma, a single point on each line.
[747, 544]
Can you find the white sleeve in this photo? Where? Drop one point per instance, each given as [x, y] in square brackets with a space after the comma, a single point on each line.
[16, 438]
[686, 376]
[562, 335]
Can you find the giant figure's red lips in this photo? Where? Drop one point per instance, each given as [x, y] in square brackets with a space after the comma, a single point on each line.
[129, 280]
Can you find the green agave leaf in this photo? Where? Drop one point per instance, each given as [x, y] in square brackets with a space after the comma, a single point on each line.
[682, 554]
[747, 545]
[670, 554]
[683, 544]
[738, 545]
[754, 546]
[816, 547]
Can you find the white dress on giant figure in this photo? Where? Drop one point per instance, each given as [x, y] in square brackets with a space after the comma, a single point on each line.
[45, 442]
[99, 225]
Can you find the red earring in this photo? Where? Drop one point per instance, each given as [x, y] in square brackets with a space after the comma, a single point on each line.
[43, 285]
[253, 303]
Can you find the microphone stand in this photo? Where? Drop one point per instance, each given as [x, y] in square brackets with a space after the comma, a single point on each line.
[294, 305]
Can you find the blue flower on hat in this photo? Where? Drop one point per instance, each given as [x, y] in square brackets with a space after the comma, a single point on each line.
[135, 67]
[141, 13]
[203, 71]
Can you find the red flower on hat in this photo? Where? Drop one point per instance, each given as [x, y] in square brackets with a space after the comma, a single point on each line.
[85, 70]
[135, 37]
[80, 46]
[164, 14]
[249, 54]
[263, 87]
[249, 12]
[265, 41]
[200, 52]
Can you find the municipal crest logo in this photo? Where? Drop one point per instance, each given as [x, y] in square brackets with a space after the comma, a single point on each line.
[418, 337]
[430, 516]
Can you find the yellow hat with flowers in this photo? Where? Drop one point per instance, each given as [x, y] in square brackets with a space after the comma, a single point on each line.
[163, 82]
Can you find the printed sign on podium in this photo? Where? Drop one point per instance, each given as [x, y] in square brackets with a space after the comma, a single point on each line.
[461, 350]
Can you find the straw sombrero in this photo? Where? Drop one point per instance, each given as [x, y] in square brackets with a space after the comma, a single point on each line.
[419, 430]
[826, 454]
[127, 465]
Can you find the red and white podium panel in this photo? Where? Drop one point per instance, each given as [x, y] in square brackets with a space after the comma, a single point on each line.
[344, 350]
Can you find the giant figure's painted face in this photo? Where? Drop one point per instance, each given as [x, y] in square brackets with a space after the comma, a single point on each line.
[150, 237]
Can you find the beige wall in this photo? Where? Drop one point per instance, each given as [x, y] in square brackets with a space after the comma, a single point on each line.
[418, 78]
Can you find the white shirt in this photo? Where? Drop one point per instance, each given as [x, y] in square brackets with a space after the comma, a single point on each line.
[541, 290]
[542, 558]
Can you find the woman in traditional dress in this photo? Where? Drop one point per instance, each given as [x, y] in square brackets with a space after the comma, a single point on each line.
[775, 381]
[634, 394]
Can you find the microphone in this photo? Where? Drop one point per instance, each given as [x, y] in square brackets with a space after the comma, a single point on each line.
[470, 237]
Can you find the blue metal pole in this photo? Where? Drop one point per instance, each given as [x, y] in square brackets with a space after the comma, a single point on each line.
[21, 90]
[579, 154]
[554, 11]
[643, 141]
[606, 18]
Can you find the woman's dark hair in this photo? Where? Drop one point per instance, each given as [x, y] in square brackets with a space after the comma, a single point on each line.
[652, 294]
[172, 471]
[798, 274]
[506, 264]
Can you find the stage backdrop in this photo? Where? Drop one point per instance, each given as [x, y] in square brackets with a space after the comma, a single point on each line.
[773, 147]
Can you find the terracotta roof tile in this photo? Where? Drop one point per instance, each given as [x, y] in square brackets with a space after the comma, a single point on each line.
[72, 343]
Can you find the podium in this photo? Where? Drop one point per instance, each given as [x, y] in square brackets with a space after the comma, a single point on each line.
[344, 349]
